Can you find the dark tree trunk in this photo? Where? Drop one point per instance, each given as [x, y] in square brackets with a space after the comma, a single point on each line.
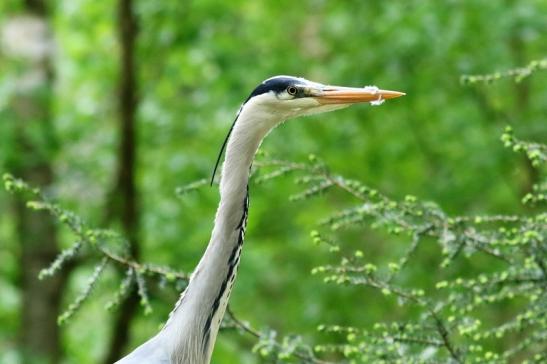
[522, 104]
[39, 335]
[123, 204]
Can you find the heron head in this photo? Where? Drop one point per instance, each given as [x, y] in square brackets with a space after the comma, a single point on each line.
[283, 97]
[288, 97]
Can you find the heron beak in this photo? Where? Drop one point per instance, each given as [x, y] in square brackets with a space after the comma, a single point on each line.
[352, 95]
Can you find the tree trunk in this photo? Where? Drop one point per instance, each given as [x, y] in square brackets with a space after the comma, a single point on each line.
[27, 40]
[123, 204]
[522, 104]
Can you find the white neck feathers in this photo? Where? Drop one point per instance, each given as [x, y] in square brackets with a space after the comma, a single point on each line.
[197, 317]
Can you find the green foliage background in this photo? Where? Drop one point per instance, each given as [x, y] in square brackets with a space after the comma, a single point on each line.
[198, 60]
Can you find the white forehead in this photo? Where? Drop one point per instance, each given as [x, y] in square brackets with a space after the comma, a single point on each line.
[285, 76]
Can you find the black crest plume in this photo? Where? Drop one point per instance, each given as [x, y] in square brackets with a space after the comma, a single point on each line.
[275, 84]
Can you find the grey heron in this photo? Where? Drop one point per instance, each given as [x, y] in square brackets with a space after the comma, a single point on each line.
[190, 332]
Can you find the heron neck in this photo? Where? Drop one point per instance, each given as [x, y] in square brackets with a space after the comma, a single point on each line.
[200, 310]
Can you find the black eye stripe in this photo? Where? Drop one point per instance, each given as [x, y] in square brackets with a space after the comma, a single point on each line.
[275, 84]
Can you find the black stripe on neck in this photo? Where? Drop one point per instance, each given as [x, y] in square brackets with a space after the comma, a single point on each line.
[233, 263]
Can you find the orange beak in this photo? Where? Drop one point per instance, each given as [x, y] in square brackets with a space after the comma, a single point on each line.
[352, 95]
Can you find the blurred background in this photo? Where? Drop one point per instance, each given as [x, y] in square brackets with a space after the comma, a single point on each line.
[109, 106]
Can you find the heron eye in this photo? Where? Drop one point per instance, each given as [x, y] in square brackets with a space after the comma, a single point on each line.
[291, 90]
